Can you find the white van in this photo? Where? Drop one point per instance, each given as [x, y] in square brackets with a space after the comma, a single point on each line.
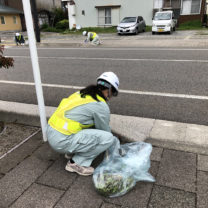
[163, 22]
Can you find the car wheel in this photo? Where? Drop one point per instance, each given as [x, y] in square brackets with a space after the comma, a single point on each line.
[153, 33]
[170, 31]
[136, 31]
[174, 29]
[144, 29]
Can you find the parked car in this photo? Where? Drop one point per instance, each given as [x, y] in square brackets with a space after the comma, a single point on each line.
[164, 22]
[132, 25]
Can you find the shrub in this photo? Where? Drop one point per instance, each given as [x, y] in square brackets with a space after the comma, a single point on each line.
[44, 26]
[5, 62]
[63, 24]
[51, 29]
[59, 15]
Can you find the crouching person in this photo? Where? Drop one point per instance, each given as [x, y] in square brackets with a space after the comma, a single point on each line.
[92, 37]
[79, 128]
[19, 39]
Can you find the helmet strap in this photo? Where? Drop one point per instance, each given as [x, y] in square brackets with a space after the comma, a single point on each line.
[109, 92]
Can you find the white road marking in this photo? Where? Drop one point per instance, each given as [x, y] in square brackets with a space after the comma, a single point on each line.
[122, 49]
[161, 94]
[11, 150]
[116, 59]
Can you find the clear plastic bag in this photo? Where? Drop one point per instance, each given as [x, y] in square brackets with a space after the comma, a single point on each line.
[122, 167]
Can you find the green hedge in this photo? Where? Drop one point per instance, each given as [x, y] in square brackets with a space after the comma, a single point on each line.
[51, 29]
[190, 25]
[63, 24]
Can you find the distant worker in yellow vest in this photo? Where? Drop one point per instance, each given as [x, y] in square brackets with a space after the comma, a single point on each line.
[91, 37]
[79, 128]
[19, 39]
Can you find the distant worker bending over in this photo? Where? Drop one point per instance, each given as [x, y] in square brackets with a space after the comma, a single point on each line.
[19, 39]
[91, 37]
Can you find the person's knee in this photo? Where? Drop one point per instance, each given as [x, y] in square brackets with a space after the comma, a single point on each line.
[110, 138]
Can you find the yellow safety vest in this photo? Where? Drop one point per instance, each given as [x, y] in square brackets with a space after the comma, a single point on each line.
[94, 35]
[19, 37]
[65, 125]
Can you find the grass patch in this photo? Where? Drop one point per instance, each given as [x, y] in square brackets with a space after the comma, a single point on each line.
[57, 29]
[92, 29]
[148, 28]
[191, 25]
[51, 29]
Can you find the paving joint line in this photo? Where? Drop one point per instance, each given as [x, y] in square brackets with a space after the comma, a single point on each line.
[65, 191]
[196, 182]
[177, 189]
[41, 184]
[21, 143]
[27, 156]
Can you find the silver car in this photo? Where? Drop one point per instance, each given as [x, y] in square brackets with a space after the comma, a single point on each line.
[131, 25]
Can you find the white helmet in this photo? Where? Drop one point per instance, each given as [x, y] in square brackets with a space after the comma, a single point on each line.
[17, 34]
[84, 33]
[110, 78]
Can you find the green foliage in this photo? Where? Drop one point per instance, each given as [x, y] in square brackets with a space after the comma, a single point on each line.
[59, 15]
[52, 29]
[109, 184]
[44, 26]
[63, 24]
[91, 29]
[190, 25]
[148, 28]
[100, 29]
[5, 62]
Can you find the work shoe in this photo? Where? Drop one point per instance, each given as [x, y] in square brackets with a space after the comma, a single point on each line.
[81, 170]
[68, 156]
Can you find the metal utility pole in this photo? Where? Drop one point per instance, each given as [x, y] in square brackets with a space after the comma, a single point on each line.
[35, 19]
[35, 66]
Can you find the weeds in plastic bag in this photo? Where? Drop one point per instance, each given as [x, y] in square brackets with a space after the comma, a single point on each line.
[122, 167]
[109, 184]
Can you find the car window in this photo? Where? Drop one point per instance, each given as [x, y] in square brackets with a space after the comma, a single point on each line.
[162, 16]
[128, 19]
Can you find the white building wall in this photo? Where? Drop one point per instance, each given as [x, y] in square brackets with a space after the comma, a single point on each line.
[115, 14]
[128, 8]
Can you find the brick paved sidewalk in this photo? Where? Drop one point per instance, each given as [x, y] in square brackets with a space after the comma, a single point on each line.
[33, 176]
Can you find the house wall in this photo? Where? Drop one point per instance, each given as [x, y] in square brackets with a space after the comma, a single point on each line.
[185, 18]
[41, 5]
[128, 8]
[17, 4]
[9, 24]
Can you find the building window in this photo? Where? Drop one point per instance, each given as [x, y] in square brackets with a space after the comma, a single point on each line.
[108, 16]
[14, 19]
[2, 20]
[104, 16]
[190, 7]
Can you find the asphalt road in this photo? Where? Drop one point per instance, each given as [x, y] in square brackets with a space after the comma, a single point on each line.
[168, 84]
